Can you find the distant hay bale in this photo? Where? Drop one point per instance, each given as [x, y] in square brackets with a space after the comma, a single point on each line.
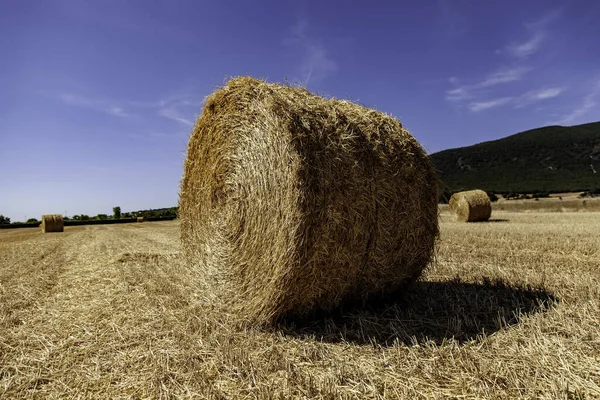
[52, 223]
[140, 219]
[471, 206]
[291, 202]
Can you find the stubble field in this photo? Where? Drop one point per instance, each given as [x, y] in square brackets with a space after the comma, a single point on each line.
[511, 308]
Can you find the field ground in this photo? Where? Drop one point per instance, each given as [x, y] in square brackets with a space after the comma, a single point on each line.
[569, 203]
[510, 309]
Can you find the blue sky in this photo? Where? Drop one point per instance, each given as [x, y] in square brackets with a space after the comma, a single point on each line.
[97, 98]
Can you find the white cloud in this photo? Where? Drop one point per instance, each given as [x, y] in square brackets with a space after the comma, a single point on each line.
[538, 33]
[546, 93]
[520, 101]
[475, 95]
[180, 107]
[466, 92]
[484, 105]
[458, 94]
[155, 136]
[544, 20]
[503, 76]
[538, 95]
[104, 106]
[118, 111]
[591, 101]
[174, 114]
[316, 62]
[180, 99]
[528, 47]
[75, 100]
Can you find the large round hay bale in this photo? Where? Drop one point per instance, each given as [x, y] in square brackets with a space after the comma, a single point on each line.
[140, 219]
[471, 205]
[291, 202]
[52, 223]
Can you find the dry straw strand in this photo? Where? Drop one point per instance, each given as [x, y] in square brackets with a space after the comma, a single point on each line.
[471, 205]
[52, 223]
[291, 202]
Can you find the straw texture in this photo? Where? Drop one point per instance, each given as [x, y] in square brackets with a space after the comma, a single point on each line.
[471, 206]
[291, 202]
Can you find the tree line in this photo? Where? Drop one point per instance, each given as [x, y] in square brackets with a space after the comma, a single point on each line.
[116, 214]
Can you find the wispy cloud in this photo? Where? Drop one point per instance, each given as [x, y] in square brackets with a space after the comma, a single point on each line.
[180, 108]
[316, 62]
[535, 96]
[176, 115]
[528, 47]
[475, 96]
[155, 136]
[503, 76]
[546, 93]
[523, 100]
[118, 111]
[537, 33]
[484, 105]
[544, 20]
[179, 99]
[467, 92]
[459, 93]
[100, 105]
[589, 102]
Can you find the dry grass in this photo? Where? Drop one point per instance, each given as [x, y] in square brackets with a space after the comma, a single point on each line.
[111, 312]
[568, 204]
[292, 202]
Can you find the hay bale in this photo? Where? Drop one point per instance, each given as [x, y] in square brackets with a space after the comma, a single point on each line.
[140, 219]
[291, 202]
[471, 205]
[52, 223]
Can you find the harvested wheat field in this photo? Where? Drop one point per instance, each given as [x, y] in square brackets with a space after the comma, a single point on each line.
[112, 312]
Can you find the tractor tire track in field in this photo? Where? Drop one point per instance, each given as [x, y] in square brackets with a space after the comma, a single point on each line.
[73, 300]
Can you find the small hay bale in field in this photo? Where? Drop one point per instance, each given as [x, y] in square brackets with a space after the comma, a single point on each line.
[52, 223]
[140, 219]
[291, 202]
[471, 206]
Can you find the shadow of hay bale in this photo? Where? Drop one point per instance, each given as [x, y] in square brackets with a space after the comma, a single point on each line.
[494, 220]
[428, 311]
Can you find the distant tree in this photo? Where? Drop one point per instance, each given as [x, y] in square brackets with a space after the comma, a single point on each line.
[32, 221]
[126, 215]
[4, 220]
[101, 216]
[492, 196]
[117, 212]
[84, 217]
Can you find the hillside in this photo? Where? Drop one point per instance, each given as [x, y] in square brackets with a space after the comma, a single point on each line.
[550, 159]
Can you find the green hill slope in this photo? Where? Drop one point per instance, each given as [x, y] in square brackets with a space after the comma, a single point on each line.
[550, 159]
